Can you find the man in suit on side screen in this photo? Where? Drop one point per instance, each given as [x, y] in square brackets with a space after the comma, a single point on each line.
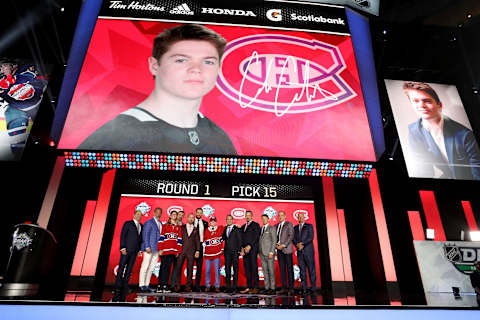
[303, 241]
[285, 253]
[439, 146]
[130, 241]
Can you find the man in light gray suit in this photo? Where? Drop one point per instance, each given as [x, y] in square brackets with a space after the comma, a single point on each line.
[285, 253]
[267, 243]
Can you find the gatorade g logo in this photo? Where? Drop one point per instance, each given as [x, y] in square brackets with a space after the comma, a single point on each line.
[274, 15]
[283, 74]
[296, 212]
[174, 208]
[462, 258]
[238, 213]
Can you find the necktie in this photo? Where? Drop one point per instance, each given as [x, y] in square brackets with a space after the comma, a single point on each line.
[138, 227]
[279, 230]
[300, 230]
[263, 229]
[246, 225]
[228, 231]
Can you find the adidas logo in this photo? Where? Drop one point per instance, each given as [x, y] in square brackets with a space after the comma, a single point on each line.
[182, 9]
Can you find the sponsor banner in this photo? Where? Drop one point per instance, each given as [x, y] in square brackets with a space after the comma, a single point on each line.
[291, 15]
[211, 207]
[445, 265]
[370, 6]
[215, 188]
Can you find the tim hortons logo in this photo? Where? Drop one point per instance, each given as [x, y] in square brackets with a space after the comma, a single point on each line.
[283, 74]
[238, 213]
[174, 208]
[296, 212]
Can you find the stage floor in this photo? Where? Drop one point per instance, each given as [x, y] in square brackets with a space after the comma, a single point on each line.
[219, 299]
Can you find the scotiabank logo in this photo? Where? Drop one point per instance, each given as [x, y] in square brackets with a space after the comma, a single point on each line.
[283, 74]
[238, 213]
[174, 208]
[296, 212]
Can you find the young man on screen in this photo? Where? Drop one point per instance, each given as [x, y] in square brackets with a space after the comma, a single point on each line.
[440, 147]
[185, 65]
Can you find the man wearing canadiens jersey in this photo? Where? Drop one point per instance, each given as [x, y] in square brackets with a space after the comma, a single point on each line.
[185, 65]
[213, 250]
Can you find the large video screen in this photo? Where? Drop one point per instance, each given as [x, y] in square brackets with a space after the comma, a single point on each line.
[434, 130]
[219, 208]
[22, 85]
[276, 92]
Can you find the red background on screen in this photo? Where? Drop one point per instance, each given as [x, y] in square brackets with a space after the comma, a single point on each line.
[115, 77]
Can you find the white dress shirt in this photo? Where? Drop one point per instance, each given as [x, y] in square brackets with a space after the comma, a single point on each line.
[437, 134]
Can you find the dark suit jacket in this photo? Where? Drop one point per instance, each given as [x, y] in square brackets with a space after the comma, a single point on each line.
[462, 151]
[129, 237]
[251, 236]
[234, 242]
[191, 243]
[306, 237]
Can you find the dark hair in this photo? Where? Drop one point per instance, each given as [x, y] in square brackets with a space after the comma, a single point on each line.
[158, 208]
[167, 38]
[420, 86]
[198, 209]
[229, 215]
[265, 215]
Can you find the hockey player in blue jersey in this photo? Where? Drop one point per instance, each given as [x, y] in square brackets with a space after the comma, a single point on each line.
[21, 92]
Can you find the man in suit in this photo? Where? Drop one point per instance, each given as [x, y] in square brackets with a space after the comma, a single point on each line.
[232, 237]
[439, 146]
[303, 241]
[201, 225]
[285, 253]
[130, 241]
[250, 237]
[150, 237]
[267, 243]
[191, 249]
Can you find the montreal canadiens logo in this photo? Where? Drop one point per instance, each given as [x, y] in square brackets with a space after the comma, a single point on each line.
[283, 74]
[296, 212]
[174, 208]
[238, 213]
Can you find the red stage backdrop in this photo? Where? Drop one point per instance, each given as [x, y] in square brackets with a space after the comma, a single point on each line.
[218, 208]
[279, 93]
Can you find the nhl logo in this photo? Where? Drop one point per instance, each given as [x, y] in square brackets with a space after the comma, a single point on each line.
[194, 139]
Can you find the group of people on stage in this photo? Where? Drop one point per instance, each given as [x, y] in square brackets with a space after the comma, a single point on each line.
[198, 241]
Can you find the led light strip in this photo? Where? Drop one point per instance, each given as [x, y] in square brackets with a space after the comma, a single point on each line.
[216, 164]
